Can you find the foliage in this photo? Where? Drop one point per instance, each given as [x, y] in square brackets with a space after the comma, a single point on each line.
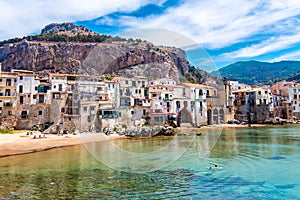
[109, 78]
[59, 38]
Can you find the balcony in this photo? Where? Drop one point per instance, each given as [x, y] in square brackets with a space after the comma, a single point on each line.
[156, 111]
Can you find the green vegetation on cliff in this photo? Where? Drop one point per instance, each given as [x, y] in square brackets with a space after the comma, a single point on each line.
[59, 38]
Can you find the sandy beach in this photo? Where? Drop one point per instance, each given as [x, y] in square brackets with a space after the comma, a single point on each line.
[14, 144]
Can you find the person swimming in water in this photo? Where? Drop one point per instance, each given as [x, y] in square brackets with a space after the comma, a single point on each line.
[215, 166]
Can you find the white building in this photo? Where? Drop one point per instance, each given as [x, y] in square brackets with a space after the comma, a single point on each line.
[294, 97]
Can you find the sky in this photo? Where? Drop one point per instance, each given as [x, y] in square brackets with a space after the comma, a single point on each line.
[211, 31]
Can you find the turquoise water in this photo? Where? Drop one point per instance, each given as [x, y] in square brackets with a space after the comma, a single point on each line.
[256, 163]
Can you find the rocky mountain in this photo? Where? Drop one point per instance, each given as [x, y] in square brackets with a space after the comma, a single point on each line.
[66, 48]
[66, 29]
[254, 72]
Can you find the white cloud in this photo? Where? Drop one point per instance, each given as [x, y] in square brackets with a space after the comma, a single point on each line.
[217, 23]
[271, 45]
[24, 17]
[211, 23]
[288, 56]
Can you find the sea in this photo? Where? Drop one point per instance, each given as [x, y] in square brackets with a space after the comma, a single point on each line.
[215, 163]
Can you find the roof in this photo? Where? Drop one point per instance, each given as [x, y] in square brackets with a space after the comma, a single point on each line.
[151, 90]
[108, 81]
[197, 85]
[62, 75]
[105, 102]
[45, 84]
[8, 74]
[141, 77]
[242, 90]
[22, 71]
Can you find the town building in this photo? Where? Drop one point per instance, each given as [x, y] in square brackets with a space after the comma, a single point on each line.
[294, 97]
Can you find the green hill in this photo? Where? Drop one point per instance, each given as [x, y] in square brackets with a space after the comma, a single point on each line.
[255, 73]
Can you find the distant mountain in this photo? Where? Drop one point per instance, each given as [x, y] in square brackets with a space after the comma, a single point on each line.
[291, 77]
[254, 72]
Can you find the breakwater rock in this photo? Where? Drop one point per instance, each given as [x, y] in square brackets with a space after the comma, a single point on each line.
[149, 131]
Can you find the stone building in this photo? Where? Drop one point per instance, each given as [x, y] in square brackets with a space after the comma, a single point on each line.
[256, 102]
[30, 111]
[8, 99]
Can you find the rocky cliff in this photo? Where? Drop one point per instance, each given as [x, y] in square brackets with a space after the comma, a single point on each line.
[114, 56]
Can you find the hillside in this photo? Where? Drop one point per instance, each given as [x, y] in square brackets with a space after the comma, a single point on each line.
[254, 72]
[66, 48]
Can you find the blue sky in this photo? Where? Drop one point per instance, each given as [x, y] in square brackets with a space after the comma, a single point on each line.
[228, 30]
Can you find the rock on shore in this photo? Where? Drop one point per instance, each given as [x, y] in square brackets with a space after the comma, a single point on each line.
[149, 131]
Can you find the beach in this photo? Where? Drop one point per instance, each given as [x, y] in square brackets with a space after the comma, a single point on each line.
[14, 144]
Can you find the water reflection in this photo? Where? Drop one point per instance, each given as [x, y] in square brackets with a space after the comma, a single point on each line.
[260, 163]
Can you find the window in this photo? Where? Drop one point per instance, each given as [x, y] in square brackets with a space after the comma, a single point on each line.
[9, 112]
[200, 92]
[24, 114]
[40, 112]
[133, 83]
[34, 96]
[126, 82]
[21, 77]
[259, 92]
[56, 96]
[21, 99]
[266, 91]
[84, 108]
[35, 88]
[185, 103]
[60, 87]
[20, 88]
[92, 110]
[178, 104]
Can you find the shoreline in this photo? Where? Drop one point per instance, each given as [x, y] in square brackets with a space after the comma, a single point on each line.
[17, 144]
